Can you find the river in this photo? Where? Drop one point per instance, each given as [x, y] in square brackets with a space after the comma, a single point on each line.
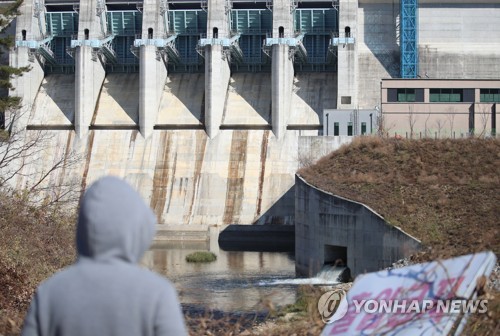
[236, 281]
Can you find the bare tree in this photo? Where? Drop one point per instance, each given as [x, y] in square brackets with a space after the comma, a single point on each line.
[484, 118]
[451, 119]
[22, 156]
[412, 119]
[426, 128]
[383, 127]
[440, 124]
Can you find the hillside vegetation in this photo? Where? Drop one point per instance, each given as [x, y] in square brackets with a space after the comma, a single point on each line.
[444, 192]
[35, 241]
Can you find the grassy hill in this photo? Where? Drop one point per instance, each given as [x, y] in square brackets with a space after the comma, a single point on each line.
[444, 192]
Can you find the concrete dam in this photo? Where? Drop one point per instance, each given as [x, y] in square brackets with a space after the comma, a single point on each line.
[241, 176]
[209, 107]
[205, 131]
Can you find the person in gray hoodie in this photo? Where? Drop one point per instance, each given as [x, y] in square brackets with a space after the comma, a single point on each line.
[105, 292]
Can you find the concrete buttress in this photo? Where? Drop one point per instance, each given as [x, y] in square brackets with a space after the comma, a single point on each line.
[217, 71]
[152, 69]
[89, 67]
[282, 67]
[28, 28]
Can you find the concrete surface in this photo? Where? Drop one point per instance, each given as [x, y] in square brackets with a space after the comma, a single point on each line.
[347, 56]
[55, 102]
[313, 148]
[312, 93]
[217, 74]
[118, 101]
[248, 100]
[189, 180]
[232, 176]
[329, 227]
[182, 100]
[89, 77]
[281, 81]
[260, 238]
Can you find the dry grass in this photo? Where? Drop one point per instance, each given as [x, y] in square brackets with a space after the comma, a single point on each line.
[35, 242]
[444, 192]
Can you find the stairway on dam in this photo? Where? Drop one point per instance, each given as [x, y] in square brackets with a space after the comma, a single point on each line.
[241, 176]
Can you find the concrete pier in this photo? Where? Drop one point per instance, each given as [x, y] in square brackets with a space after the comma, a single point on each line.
[347, 95]
[282, 81]
[89, 67]
[28, 29]
[217, 74]
[152, 67]
[217, 71]
[282, 66]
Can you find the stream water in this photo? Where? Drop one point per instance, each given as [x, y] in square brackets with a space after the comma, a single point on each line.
[235, 282]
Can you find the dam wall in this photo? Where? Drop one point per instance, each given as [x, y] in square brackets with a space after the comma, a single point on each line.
[329, 227]
[201, 106]
[240, 177]
[459, 40]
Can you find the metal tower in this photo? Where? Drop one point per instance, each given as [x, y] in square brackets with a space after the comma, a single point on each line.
[409, 38]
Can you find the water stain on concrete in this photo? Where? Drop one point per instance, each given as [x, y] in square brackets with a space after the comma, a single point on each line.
[174, 170]
[236, 177]
[90, 144]
[161, 175]
[67, 153]
[263, 156]
[201, 145]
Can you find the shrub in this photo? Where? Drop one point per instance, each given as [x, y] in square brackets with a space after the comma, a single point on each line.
[201, 256]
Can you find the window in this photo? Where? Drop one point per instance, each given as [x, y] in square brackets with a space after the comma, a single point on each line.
[345, 100]
[150, 33]
[406, 95]
[336, 128]
[215, 33]
[490, 95]
[281, 32]
[347, 31]
[23, 33]
[86, 33]
[349, 128]
[363, 128]
[446, 95]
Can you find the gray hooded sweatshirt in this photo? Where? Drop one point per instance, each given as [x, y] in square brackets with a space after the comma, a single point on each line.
[105, 292]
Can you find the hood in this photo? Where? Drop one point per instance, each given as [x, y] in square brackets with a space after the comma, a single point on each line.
[114, 222]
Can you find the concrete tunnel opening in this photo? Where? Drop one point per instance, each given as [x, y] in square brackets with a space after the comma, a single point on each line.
[335, 259]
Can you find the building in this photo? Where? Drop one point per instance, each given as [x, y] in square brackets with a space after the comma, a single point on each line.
[440, 108]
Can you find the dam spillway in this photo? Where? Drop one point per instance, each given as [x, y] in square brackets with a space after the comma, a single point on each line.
[202, 128]
[202, 105]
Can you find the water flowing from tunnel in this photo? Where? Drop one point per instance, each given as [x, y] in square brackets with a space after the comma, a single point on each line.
[329, 275]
